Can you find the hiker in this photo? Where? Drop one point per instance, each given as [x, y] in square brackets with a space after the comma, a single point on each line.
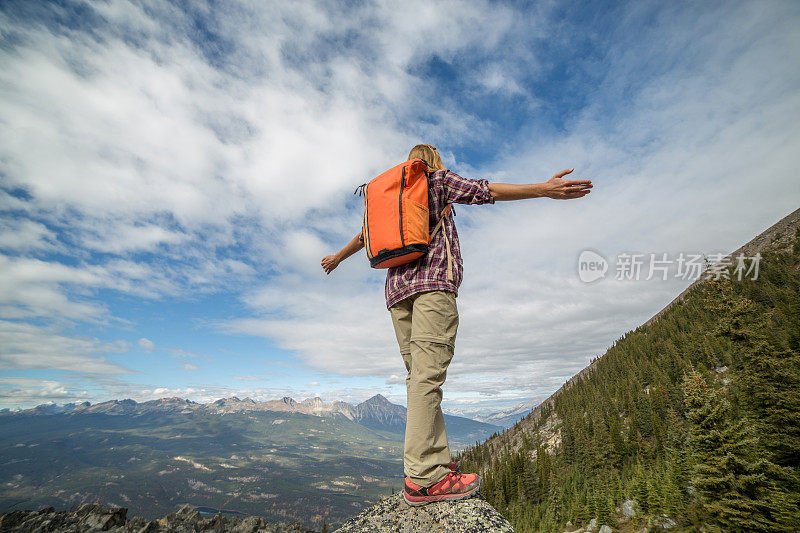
[421, 298]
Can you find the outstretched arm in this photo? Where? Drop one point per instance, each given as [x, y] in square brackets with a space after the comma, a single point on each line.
[330, 262]
[556, 187]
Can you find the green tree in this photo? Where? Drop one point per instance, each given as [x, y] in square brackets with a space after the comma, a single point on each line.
[606, 513]
[642, 488]
[655, 502]
[736, 493]
[768, 381]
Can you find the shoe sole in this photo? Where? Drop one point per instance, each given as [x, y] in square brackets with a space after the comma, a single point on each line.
[443, 497]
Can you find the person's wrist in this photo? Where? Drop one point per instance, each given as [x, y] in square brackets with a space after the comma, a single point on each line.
[541, 190]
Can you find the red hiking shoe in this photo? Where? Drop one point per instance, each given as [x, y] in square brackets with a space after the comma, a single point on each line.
[454, 486]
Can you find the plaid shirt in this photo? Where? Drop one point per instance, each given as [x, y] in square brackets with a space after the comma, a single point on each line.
[429, 272]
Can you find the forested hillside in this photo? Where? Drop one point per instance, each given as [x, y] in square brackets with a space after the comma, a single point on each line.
[695, 415]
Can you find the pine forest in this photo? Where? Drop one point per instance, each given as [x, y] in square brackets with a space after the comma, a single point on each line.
[692, 419]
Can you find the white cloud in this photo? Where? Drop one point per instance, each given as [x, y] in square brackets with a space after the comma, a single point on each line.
[32, 287]
[153, 128]
[395, 379]
[25, 346]
[26, 391]
[183, 354]
[25, 235]
[146, 344]
[680, 165]
[496, 79]
[330, 329]
[133, 238]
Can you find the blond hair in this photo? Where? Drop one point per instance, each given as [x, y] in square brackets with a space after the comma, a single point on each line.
[429, 154]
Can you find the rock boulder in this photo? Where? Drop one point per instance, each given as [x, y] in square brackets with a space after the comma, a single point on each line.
[393, 514]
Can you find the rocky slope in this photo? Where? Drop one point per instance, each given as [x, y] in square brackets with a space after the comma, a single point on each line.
[96, 517]
[392, 514]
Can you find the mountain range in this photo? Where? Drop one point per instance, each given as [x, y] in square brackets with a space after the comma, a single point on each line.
[307, 460]
[375, 413]
[508, 417]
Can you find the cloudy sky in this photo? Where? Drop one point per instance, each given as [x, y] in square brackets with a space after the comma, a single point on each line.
[172, 173]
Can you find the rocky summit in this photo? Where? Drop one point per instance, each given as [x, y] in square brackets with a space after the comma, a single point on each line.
[91, 517]
[393, 514]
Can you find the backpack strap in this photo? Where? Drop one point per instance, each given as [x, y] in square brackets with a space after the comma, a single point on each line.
[446, 211]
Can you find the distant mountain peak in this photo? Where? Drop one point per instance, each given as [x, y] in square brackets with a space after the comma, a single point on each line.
[172, 399]
[313, 401]
[378, 399]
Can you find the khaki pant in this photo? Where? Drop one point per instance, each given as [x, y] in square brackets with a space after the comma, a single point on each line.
[425, 324]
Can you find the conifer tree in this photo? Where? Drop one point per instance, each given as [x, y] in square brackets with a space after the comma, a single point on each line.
[554, 502]
[769, 380]
[672, 491]
[731, 481]
[655, 502]
[642, 489]
[605, 509]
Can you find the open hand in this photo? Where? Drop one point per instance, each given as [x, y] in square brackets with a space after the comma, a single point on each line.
[561, 189]
[329, 262]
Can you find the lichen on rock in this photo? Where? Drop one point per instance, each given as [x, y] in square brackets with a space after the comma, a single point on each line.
[393, 514]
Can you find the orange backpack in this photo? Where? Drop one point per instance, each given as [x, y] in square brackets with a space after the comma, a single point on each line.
[396, 226]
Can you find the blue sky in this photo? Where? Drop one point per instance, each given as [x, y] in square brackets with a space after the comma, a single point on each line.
[172, 173]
